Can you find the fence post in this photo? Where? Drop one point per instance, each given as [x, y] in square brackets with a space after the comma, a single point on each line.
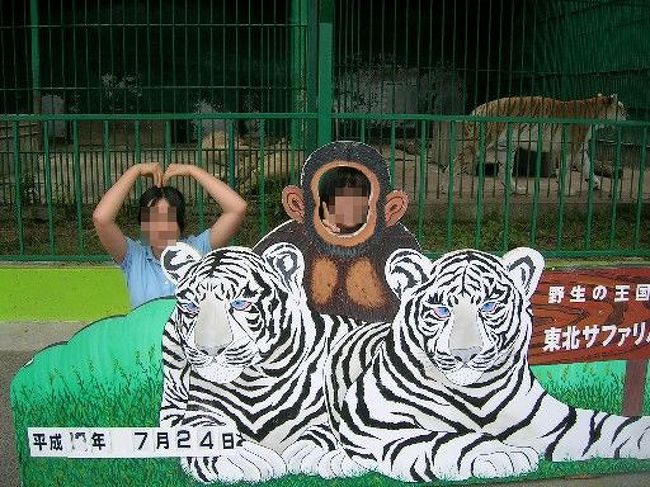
[36, 57]
[311, 75]
[325, 50]
[298, 64]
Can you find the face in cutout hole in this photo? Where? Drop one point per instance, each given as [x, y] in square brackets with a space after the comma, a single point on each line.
[344, 194]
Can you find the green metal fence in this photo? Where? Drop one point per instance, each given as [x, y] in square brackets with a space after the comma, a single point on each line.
[247, 89]
[387, 56]
[149, 56]
[48, 194]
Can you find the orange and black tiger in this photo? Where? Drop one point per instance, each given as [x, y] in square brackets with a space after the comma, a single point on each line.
[502, 138]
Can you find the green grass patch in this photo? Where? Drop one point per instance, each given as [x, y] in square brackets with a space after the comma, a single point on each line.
[596, 385]
[66, 293]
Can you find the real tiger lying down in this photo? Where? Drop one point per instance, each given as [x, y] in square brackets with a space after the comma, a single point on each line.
[525, 135]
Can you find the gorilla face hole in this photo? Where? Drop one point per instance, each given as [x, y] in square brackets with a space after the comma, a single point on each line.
[344, 194]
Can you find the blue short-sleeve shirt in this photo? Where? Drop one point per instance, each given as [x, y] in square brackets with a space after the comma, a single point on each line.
[145, 278]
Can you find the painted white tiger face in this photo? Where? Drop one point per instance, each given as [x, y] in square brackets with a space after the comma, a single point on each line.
[233, 306]
[466, 315]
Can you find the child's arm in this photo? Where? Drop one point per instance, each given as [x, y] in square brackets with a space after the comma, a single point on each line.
[232, 205]
[110, 234]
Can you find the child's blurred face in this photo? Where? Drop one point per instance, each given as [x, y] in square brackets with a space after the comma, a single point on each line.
[159, 224]
[349, 209]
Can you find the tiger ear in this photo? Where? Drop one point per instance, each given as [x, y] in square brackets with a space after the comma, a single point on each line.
[407, 269]
[287, 262]
[525, 266]
[177, 259]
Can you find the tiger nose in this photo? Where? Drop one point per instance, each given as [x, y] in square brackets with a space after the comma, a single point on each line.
[464, 355]
[212, 333]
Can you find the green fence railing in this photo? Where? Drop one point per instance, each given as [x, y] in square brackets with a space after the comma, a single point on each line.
[49, 187]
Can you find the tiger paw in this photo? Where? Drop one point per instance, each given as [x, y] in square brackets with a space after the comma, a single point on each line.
[337, 463]
[504, 462]
[303, 457]
[248, 462]
[638, 443]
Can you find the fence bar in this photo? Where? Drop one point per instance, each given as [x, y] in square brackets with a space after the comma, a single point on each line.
[312, 72]
[298, 21]
[536, 187]
[565, 172]
[106, 144]
[48, 186]
[230, 144]
[507, 191]
[326, 46]
[423, 181]
[168, 144]
[232, 179]
[479, 190]
[200, 163]
[76, 172]
[138, 157]
[639, 194]
[36, 56]
[615, 190]
[260, 179]
[391, 167]
[590, 194]
[450, 188]
[18, 198]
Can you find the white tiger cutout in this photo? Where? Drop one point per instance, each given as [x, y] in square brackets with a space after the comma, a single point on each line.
[574, 141]
[241, 349]
[445, 391]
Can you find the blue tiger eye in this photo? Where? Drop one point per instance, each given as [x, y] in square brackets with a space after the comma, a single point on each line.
[240, 304]
[489, 307]
[190, 308]
[441, 312]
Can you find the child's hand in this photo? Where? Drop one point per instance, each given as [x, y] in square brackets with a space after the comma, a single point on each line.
[178, 170]
[326, 220]
[152, 170]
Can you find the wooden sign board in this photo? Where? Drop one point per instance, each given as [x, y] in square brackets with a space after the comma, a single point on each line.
[591, 315]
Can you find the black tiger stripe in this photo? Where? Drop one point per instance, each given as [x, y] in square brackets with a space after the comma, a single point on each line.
[595, 430]
[622, 426]
[563, 426]
[504, 435]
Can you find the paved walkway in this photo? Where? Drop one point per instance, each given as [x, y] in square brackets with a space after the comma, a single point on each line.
[19, 341]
